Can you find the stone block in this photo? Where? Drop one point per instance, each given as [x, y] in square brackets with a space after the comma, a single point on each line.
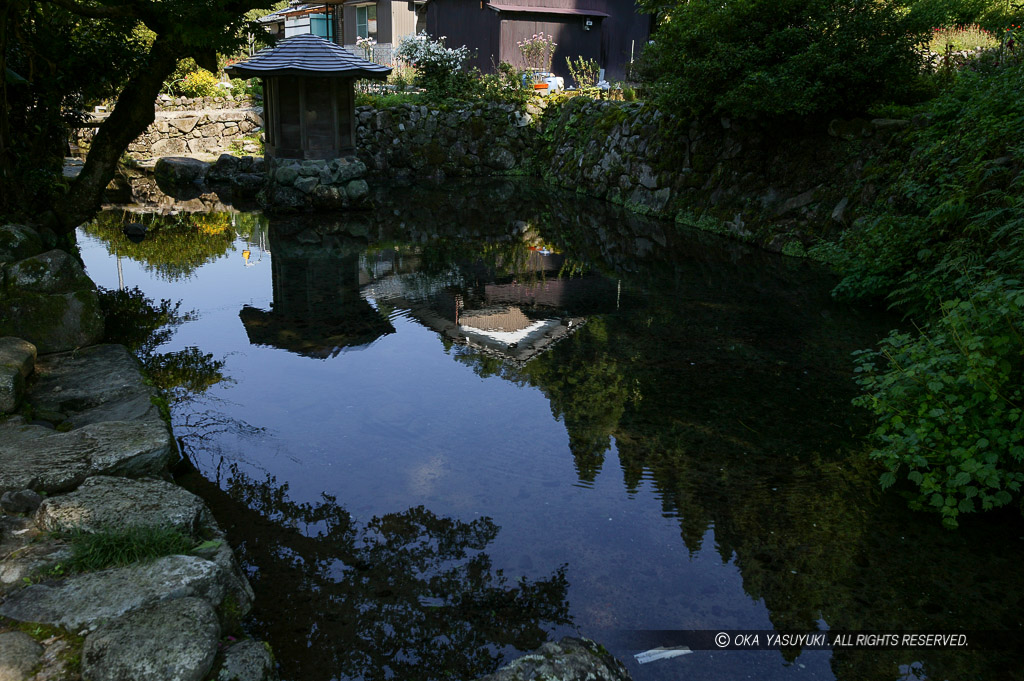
[171, 146]
[357, 190]
[570, 659]
[168, 641]
[247, 661]
[104, 502]
[185, 124]
[49, 461]
[89, 599]
[306, 184]
[286, 175]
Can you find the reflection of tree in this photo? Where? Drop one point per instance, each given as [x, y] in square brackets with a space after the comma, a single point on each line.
[408, 595]
[729, 392]
[732, 396]
[143, 325]
[585, 384]
[184, 374]
[175, 245]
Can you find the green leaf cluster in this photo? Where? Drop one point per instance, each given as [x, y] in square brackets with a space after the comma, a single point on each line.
[953, 210]
[752, 58]
[949, 402]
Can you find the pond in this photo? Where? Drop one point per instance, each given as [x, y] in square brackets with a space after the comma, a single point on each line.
[488, 414]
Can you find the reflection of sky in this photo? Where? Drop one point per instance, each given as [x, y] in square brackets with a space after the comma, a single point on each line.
[401, 423]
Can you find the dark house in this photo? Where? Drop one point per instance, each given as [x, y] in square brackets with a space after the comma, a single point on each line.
[611, 32]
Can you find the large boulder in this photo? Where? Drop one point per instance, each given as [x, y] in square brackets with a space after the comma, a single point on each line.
[180, 170]
[55, 271]
[48, 300]
[53, 322]
[86, 601]
[17, 359]
[98, 383]
[18, 241]
[225, 167]
[48, 461]
[104, 502]
[571, 659]
[169, 641]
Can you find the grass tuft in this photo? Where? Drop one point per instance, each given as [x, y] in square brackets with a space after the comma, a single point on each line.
[115, 548]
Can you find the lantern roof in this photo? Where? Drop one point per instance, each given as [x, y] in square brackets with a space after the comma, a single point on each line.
[307, 55]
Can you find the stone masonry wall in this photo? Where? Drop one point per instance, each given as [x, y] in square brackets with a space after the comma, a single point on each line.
[191, 132]
[478, 139]
[228, 101]
[777, 186]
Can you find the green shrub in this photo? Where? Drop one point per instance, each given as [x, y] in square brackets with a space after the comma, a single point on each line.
[952, 210]
[184, 67]
[199, 83]
[507, 85]
[751, 58]
[239, 87]
[383, 101]
[949, 401]
[584, 73]
[124, 546]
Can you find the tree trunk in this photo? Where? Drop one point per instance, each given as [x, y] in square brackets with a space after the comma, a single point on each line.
[132, 114]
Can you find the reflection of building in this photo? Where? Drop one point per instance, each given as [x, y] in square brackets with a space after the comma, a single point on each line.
[516, 317]
[330, 294]
[317, 310]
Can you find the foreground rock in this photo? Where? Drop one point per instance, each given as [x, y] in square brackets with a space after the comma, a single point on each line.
[86, 601]
[18, 241]
[169, 641]
[571, 659]
[59, 462]
[99, 383]
[105, 503]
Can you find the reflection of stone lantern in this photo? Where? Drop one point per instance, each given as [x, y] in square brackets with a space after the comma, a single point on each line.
[309, 117]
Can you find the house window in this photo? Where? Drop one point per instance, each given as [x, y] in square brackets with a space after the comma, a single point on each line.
[320, 24]
[366, 21]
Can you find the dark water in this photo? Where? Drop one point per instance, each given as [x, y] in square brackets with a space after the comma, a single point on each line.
[486, 415]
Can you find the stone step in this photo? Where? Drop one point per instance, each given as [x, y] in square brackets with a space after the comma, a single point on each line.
[109, 503]
[60, 462]
[85, 601]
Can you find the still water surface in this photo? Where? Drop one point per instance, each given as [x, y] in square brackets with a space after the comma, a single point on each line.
[484, 415]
